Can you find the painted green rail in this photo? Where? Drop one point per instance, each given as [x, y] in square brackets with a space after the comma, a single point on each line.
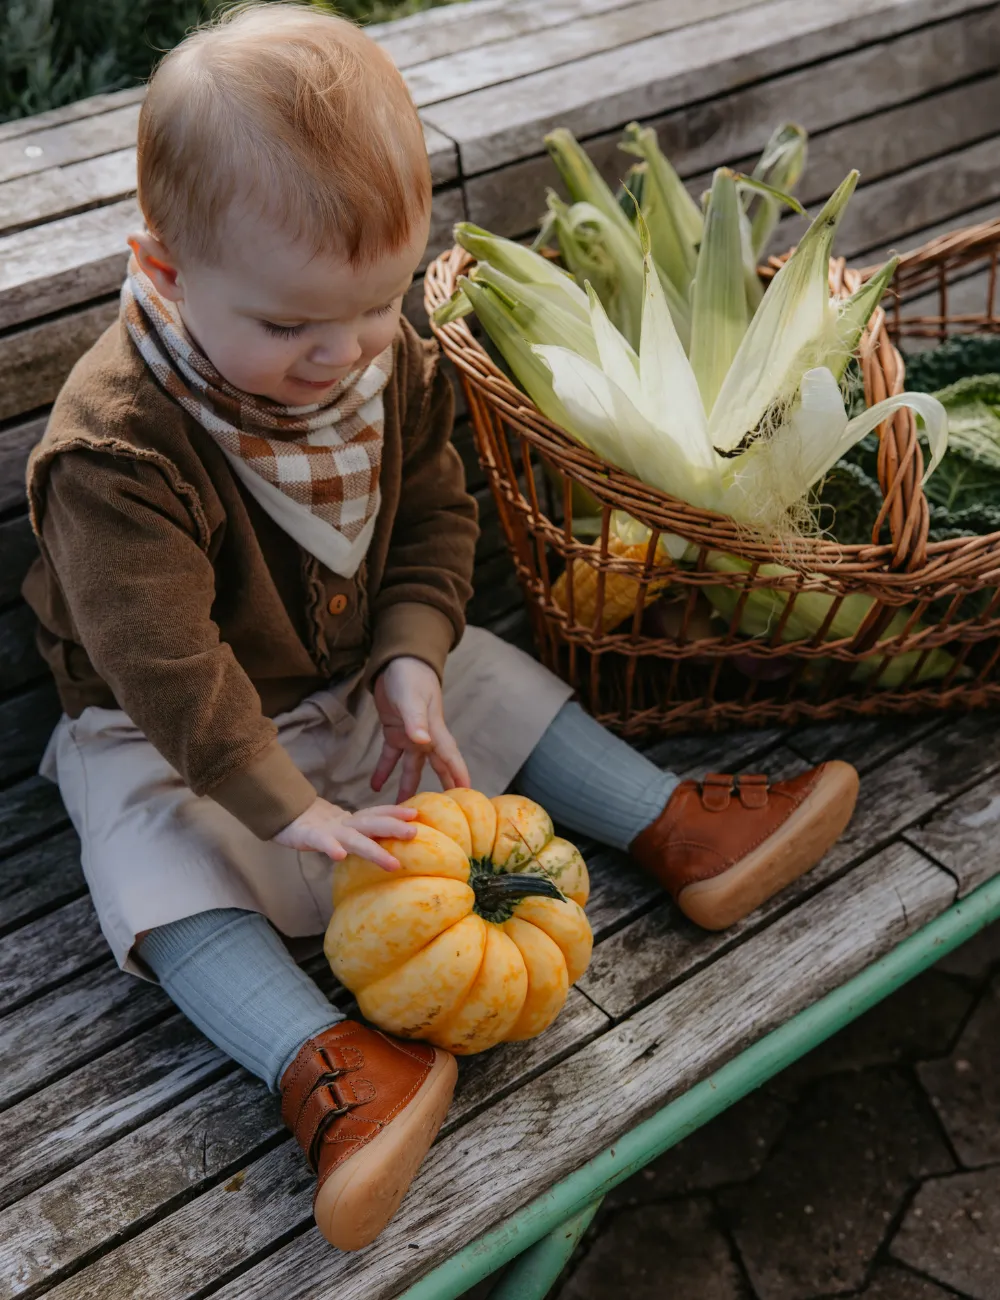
[545, 1231]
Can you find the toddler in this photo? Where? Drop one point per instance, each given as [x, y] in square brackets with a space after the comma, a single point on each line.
[256, 551]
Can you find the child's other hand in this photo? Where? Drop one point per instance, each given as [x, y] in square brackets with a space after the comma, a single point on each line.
[336, 832]
[408, 698]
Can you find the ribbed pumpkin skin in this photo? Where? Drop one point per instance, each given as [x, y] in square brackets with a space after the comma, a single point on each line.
[418, 956]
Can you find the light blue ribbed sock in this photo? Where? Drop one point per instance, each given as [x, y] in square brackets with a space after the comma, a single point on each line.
[593, 782]
[232, 976]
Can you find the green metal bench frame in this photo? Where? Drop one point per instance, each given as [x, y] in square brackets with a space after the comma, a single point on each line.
[541, 1237]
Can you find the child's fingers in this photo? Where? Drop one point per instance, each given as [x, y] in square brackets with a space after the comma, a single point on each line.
[412, 766]
[363, 847]
[387, 761]
[447, 755]
[384, 828]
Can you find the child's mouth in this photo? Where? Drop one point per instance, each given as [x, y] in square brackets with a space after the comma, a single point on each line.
[314, 383]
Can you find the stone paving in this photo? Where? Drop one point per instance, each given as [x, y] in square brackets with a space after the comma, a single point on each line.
[870, 1169]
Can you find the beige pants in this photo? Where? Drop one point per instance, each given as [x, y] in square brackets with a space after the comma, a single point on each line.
[153, 852]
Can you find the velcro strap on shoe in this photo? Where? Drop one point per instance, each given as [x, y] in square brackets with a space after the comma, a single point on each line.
[316, 1063]
[331, 1099]
[716, 789]
[753, 790]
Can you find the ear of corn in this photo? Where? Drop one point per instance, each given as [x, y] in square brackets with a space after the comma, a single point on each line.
[620, 591]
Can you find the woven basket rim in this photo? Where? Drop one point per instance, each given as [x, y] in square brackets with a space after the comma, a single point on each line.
[959, 561]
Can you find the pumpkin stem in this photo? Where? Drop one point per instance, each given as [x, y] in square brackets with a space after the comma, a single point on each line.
[496, 894]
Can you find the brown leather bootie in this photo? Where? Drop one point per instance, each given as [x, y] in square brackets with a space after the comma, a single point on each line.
[726, 844]
[365, 1108]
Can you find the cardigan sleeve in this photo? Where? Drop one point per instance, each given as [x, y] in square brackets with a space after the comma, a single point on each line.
[139, 588]
[427, 582]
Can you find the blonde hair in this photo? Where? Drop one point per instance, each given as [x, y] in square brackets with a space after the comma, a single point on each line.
[293, 112]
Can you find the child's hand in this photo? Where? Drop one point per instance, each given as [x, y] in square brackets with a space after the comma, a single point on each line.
[408, 698]
[337, 832]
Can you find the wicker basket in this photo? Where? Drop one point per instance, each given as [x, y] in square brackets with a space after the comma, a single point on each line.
[691, 675]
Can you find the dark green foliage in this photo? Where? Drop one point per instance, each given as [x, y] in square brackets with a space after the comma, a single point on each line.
[849, 502]
[53, 52]
[968, 354]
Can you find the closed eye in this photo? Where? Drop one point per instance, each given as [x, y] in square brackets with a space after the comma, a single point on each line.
[282, 331]
[383, 311]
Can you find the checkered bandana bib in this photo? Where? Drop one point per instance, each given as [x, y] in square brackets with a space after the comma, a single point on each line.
[315, 469]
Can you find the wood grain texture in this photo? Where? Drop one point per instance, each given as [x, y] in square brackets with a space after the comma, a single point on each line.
[865, 742]
[222, 1230]
[28, 810]
[18, 549]
[172, 1155]
[488, 64]
[81, 108]
[912, 200]
[981, 212]
[86, 1109]
[73, 142]
[435, 33]
[88, 1016]
[20, 661]
[618, 1080]
[661, 948]
[16, 442]
[34, 362]
[963, 835]
[43, 953]
[703, 135]
[26, 722]
[67, 262]
[61, 191]
[37, 879]
[503, 123]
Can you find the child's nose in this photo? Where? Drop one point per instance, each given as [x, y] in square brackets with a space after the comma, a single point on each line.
[337, 351]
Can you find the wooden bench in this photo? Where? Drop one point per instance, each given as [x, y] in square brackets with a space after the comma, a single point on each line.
[141, 1164]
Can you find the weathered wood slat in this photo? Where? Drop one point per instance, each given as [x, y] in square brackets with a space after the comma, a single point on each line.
[151, 1264]
[34, 362]
[85, 1110]
[963, 835]
[41, 954]
[500, 124]
[58, 146]
[71, 261]
[172, 1155]
[865, 742]
[34, 881]
[61, 191]
[443, 155]
[16, 441]
[895, 793]
[81, 108]
[20, 661]
[28, 811]
[973, 217]
[87, 1017]
[969, 296]
[26, 722]
[503, 61]
[912, 200]
[555, 1123]
[18, 549]
[701, 136]
[452, 29]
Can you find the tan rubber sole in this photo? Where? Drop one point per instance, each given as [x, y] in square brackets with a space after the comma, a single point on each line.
[813, 828]
[358, 1199]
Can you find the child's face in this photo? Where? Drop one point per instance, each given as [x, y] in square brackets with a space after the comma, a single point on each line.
[281, 322]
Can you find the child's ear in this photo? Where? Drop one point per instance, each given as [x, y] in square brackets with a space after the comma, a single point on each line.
[155, 261]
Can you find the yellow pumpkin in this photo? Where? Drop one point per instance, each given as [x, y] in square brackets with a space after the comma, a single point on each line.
[476, 939]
